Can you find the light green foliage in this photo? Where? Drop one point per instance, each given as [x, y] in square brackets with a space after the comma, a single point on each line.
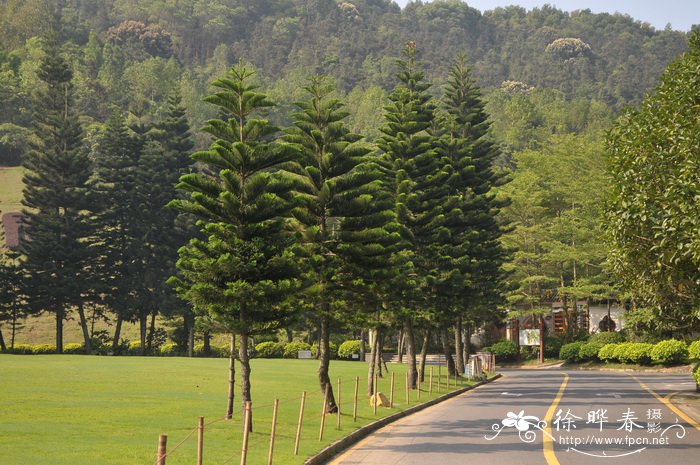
[639, 352]
[669, 352]
[607, 352]
[503, 350]
[570, 352]
[694, 351]
[696, 374]
[168, 350]
[653, 216]
[332, 349]
[134, 348]
[43, 349]
[291, 349]
[589, 350]
[22, 349]
[348, 348]
[269, 349]
[73, 348]
[621, 353]
[607, 337]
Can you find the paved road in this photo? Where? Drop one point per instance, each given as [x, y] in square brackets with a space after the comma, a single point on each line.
[593, 417]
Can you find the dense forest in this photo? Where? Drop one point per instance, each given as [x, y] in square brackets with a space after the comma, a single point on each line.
[133, 54]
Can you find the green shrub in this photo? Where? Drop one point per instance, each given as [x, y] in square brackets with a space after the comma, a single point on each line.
[669, 351]
[569, 352]
[269, 349]
[552, 346]
[607, 337]
[589, 351]
[198, 350]
[291, 349]
[134, 348]
[696, 375]
[73, 349]
[621, 353]
[694, 351]
[43, 349]
[221, 350]
[503, 350]
[639, 352]
[348, 348]
[607, 352]
[169, 349]
[332, 346]
[22, 349]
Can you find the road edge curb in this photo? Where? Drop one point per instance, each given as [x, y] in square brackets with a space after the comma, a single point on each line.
[341, 444]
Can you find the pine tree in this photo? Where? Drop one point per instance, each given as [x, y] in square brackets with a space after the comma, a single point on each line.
[116, 160]
[420, 185]
[471, 151]
[343, 209]
[58, 221]
[243, 268]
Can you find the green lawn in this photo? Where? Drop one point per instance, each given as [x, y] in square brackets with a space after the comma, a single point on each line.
[73, 410]
[10, 189]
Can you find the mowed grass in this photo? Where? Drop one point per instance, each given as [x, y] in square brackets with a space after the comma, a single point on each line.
[72, 410]
[11, 189]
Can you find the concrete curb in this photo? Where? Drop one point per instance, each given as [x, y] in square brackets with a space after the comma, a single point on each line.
[333, 449]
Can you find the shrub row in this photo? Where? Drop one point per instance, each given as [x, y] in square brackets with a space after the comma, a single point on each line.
[597, 349]
[503, 350]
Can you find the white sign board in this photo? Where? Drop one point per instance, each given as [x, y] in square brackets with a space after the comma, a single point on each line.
[529, 337]
[304, 354]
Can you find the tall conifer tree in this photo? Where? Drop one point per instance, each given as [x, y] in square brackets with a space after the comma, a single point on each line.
[57, 219]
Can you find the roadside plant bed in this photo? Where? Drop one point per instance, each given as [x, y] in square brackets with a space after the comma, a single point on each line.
[599, 351]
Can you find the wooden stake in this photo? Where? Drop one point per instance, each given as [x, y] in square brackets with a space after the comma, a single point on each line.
[337, 399]
[418, 385]
[430, 385]
[301, 418]
[162, 449]
[391, 395]
[323, 413]
[376, 392]
[272, 432]
[439, 376]
[407, 390]
[200, 441]
[354, 406]
[246, 432]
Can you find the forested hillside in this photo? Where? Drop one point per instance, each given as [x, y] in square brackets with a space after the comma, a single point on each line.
[133, 53]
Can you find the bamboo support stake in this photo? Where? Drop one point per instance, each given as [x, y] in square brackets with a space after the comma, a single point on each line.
[273, 431]
[200, 441]
[354, 403]
[162, 449]
[246, 432]
[301, 419]
[391, 394]
[439, 376]
[430, 385]
[323, 413]
[338, 402]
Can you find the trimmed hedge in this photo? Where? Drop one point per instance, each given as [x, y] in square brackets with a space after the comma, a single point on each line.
[134, 348]
[332, 346]
[607, 352]
[291, 349]
[269, 349]
[607, 337]
[694, 351]
[22, 349]
[503, 350]
[621, 352]
[669, 351]
[696, 375]
[569, 352]
[74, 348]
[639, 352]
[168, 350]
[348, 348]
[589, 351]
[44, 349]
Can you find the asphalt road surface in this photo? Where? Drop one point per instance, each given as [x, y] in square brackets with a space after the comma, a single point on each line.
[591, 417]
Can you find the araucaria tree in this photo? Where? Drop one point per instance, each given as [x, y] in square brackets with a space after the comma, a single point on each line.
[243, 267]
[654, 214]
[57, 219]
[419, 184]
[342, 209]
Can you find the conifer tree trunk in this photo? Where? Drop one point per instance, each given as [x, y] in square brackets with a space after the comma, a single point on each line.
[245, 373]
[324, 357]
[60, 315]
[424, 354]
[363, 348]
[410, 352]
[143, 321]
[459, 361]
[83, 326]
[370, 370]
[231, 377]
[444, 337]
[3, 347]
